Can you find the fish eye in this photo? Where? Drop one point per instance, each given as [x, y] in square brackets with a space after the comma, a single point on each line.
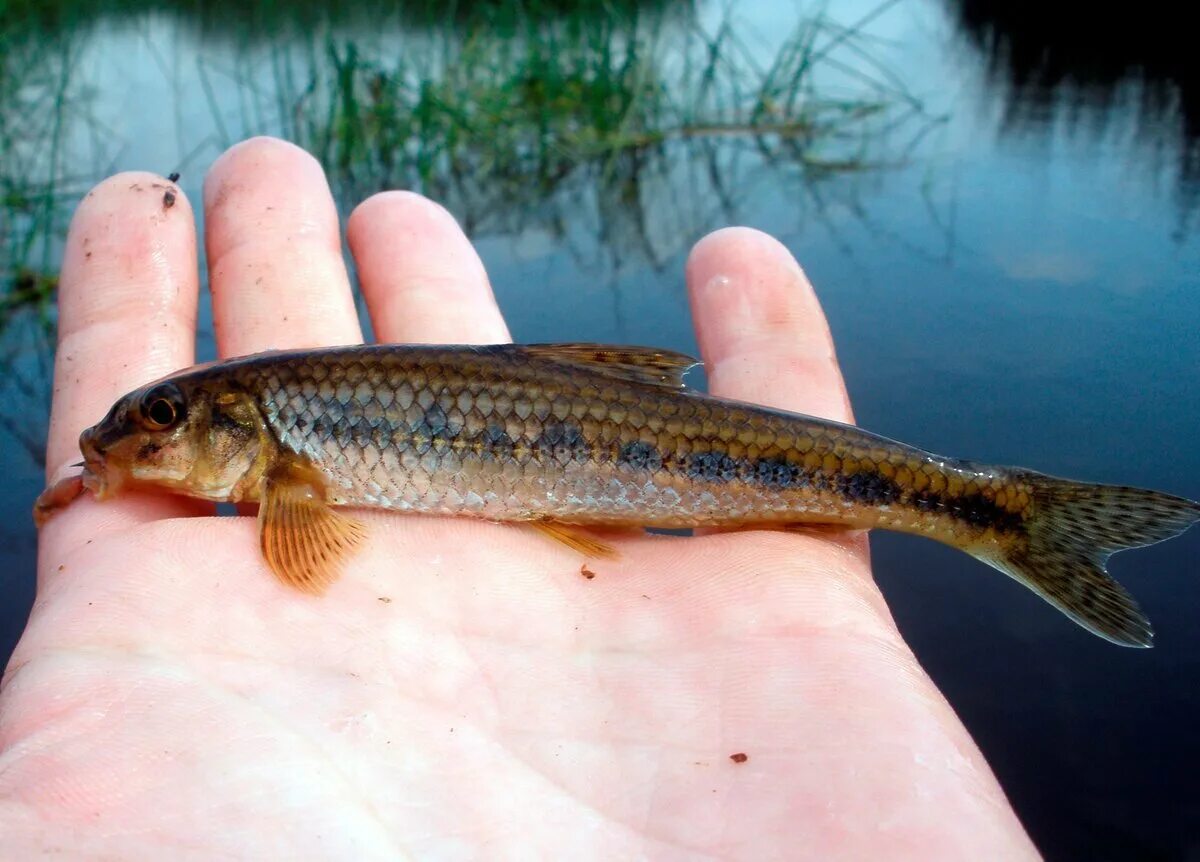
[161, 407]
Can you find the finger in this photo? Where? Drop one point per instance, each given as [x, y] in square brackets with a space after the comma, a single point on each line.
[760, 326]
[127, 302]
[421, 277]
[274, 252]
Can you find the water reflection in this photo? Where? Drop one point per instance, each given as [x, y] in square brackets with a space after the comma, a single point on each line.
[622, 137]
[643, 134]
[40, 106]
[265, 20]
[1128, 78]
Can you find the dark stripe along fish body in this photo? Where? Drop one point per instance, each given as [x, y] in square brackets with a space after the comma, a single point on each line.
[591, 434]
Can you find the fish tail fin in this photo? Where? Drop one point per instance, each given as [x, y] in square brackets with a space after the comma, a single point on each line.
[1072, 530]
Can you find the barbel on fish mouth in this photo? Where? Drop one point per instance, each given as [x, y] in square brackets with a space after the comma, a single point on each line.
[566, 436]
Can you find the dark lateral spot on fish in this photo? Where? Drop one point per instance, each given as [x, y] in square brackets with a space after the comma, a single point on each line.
[869, 488]
[974, 509]
[565, 441]
[435, 425]
[641, 456]
[740, 757]
[168, 199]
[173, 177]
[494, 433]
[926, 501]
[435, 420]
[343, 432]
[301, 423]
[586, 572]
[712, 467]
[496, 442]
[551, 434]
[978, 511]
[778, 473]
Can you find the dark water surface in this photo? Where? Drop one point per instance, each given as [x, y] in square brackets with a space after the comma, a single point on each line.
[998, 209]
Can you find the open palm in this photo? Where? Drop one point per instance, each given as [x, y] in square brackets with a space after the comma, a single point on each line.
[463, 692]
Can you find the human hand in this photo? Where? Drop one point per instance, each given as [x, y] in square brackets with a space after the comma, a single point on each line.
[461, 692]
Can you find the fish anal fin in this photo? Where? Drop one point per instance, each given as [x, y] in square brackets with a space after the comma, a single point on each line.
[814, 528]
[801, 528]
[304, 540]
[637, 364]
[574, 538]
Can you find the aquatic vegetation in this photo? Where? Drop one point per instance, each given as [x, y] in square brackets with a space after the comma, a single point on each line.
[38, 187]
[1131, 81]
[641, 123]
[620, 132]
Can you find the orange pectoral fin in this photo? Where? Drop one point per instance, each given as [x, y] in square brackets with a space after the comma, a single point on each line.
[574, 538]
[303, 539]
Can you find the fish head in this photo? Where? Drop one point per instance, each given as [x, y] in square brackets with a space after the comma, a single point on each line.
[201, 438]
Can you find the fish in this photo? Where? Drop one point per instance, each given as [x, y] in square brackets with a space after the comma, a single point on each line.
[567, 438]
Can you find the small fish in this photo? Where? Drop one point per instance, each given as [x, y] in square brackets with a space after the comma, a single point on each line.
[567, 436]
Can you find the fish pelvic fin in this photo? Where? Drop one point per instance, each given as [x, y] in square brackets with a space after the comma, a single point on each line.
[1072, 530]
[575, 538]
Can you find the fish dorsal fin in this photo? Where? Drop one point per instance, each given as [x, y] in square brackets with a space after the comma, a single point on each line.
[636, 364]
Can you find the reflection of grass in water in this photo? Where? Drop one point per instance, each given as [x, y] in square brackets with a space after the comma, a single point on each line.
[26, 348]
[633, 129]
[518, 130]
[267, 20]
[38, 186]
[27, 289]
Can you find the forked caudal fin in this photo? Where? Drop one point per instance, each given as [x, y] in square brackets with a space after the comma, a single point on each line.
[1073, 529]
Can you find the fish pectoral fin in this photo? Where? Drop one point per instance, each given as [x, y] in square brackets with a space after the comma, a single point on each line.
[637, 364]
[304, 540]
[574, 538]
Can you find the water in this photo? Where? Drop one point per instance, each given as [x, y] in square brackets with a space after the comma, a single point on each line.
[1011, 270]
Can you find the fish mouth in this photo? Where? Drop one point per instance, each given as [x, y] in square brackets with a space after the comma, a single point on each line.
[96, 475]
[94, 480]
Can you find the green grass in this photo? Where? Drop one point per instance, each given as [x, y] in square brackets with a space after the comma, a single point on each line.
[38, 188]
[41, 177]
[521, 119]
[622, 130]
